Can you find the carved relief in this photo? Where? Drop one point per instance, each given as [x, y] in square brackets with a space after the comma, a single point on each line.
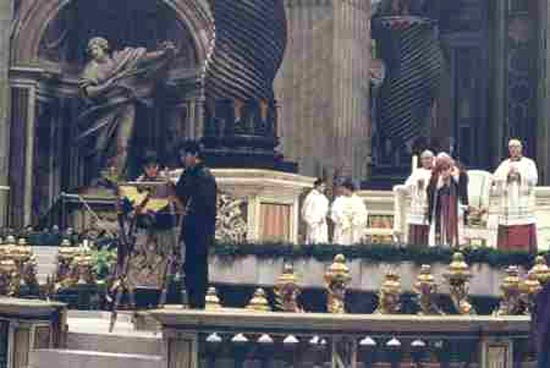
[231, 225]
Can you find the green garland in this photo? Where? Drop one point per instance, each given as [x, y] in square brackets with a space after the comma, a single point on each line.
[375, 253]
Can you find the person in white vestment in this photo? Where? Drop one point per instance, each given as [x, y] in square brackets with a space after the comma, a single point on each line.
[514, 182]
[349, 215]
[416, 186]
[315, 212]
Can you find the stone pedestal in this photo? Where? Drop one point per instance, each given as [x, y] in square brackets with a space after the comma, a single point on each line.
[268, 201]
[30, 325]
[253, 205]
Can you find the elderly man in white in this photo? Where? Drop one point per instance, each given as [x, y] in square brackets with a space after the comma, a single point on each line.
[349, 215]
[315, 212]
[514, 181]
[415, 186]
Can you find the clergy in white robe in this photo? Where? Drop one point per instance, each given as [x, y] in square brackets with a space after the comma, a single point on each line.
[349, 215]
[314, 213]
[514, 183]
[416, 187]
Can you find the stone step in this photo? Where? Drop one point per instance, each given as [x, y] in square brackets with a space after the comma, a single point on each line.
[89, 331]
[136, 343]
[62, 358]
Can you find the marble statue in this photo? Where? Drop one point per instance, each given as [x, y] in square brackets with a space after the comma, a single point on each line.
[113, 84]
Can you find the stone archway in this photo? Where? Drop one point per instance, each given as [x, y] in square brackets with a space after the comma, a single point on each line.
[42, 92]
[31, 24]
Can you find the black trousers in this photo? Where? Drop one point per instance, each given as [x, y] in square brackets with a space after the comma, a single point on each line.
[197, 239]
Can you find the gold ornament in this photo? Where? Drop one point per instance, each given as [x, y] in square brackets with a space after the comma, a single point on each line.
[425, 289]
[458, 276]
[287, 290]
[66, 273]
[74, 266]
[7, 271]
[389, 294]
[513, 302]
[531, 287]
[212, 300]
[84, 267]
[541, 270]
[337, 278]
[259, 302]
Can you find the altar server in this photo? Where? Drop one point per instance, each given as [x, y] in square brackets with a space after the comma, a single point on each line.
[416, 186]
[349, 215]
[514, 182]
[314, 213]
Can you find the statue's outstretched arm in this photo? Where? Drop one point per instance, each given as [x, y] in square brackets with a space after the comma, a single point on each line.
[166, 48]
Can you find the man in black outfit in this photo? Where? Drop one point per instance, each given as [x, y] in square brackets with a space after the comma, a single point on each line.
[197, 191]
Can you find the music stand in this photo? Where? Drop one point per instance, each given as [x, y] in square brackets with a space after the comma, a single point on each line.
[138, 200]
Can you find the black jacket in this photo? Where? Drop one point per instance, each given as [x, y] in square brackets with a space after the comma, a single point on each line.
[197, 191]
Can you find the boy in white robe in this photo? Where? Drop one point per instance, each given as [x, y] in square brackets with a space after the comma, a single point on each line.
[416, 186]
[349, 215]
[314, 213]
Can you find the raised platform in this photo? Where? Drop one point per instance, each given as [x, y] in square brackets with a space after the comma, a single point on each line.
[238, 337]
[195, 338]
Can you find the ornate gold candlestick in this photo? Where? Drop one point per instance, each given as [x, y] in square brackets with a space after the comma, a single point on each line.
[425, 289]
[259, 302]
[287, 290]
[512, 287]
[531, 287]
[28, 265]
[7, 270]
[541, 270]
[337, 278]
[458, 276]
[5, 247]
[389, 294]
[66, 273]
[25, 264]
[212, 300]
[84, 266]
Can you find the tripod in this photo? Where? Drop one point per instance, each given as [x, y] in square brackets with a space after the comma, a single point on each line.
[124, 254]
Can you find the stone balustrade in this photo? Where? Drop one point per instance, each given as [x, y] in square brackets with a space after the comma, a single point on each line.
[366, 275]
[26, 325]
[239, 338]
